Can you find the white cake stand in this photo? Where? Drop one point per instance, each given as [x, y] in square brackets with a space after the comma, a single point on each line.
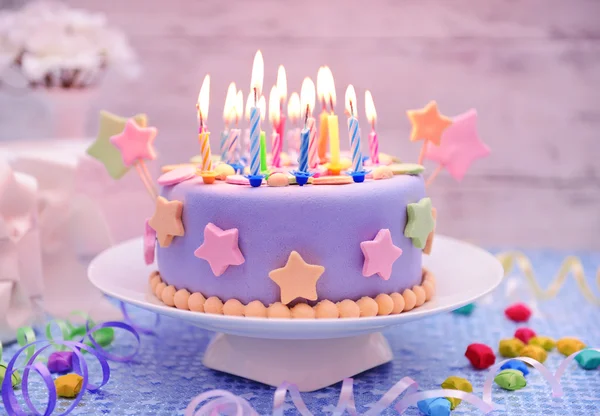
[310, 353]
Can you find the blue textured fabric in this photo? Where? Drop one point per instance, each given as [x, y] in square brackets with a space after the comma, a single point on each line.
[168, 372]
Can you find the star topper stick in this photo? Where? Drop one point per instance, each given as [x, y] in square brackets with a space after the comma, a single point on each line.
[136, 145]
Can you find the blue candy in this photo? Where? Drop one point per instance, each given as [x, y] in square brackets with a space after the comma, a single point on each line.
[465, 310]
[439, 406]
[516, 365]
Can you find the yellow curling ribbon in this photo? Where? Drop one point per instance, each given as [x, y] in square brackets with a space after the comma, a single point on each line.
[570, 266]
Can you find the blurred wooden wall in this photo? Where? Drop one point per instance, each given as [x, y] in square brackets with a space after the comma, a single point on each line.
[531, 68]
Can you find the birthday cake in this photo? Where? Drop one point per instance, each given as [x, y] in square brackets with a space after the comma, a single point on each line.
[250, 233]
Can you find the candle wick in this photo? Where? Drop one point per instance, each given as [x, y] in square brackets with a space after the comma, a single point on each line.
[306, 116]
[255, 96]
[331, 103]
[351, 109]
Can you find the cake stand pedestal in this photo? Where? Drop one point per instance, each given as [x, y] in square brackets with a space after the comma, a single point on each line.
[311, 364]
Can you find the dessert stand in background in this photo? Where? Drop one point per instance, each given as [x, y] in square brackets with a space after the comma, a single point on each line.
[309, 353]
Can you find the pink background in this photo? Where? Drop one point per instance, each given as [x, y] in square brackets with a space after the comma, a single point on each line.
[531, 68]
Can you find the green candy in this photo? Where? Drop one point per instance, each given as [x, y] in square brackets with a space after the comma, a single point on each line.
[465, 310]
[16, 377]
[588, 359]
[103, 336]
[510, 379]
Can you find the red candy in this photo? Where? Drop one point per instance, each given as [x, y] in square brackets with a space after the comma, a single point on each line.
[518, 312]
[480, 355]
[524, 334]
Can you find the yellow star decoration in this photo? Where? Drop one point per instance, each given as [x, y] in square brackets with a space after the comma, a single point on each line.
[166, 221]
[103, 150]
[428, 124]
[297, 279]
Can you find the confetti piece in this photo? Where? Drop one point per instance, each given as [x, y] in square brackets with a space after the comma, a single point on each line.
[480, 355]
[16, 377]
[511, 348]
[510, 380]
[68, 385]
[524, 334]
[457, 383]
[567, 346]
[518, 312]
[439, 406]
[588, 359]
[465, 310]
[60, 362]
[570, 266]
[516, 365]
[535, 352]
[546, 343]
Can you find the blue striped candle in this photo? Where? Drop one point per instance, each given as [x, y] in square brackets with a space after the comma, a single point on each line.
[354, 131]
[303, 158]
[254, 141]
[223, 145]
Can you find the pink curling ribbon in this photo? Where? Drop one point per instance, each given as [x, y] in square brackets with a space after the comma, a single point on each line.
[413, 399]
[221, 399]
[140, 329]
[279, 399]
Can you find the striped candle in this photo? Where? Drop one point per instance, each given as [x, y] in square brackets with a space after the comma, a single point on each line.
[255, 141]
[303, 158]
[203, 138]
[233, 146]
[374, 148]
[353, 130]
[276, 147]
[246, 143]
[224, 145]
[313, 145]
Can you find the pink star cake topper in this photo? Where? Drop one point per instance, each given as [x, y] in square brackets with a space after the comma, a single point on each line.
[380, 254]
[460, 146]
[220, 249]
[135, 143]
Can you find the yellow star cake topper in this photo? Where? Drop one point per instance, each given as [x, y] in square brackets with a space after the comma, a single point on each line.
[103, 150]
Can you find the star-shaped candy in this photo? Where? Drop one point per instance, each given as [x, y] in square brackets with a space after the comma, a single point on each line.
[428, 124]
[135, 143]
[103, 150]
[380, 254]
[420, 222]
[166, 221]
[297, 279]
[220, 248]
[460, 146]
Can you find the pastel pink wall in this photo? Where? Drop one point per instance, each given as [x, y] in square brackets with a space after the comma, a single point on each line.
[531, 68]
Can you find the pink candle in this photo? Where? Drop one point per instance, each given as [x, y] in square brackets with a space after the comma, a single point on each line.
[313, 145]
[374, 147]
[276, 146]
[372, 117]
[280, 127]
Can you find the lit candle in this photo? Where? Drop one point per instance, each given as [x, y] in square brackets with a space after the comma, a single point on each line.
[228, 109]
[256, 90]
[263, 138]
[308, 104]
[353, 130]
[203, 133]
[276, 142]
[332, 124]
[234, 133]
[372, 117]
[282, 89]
[294, 116]
[323, 130]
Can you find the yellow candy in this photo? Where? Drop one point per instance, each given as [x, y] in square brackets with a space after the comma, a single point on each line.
[535, 352]
[68, 385]
[456, 383]
[511, 348]
[546, 343]
[567, 346]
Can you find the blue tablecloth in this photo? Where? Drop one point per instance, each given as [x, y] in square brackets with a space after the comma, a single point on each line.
[168, 372]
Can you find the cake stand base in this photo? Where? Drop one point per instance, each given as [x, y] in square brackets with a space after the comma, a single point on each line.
[311, 364]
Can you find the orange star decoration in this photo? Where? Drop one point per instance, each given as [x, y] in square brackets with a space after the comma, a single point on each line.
[429, 243]
[428, 124]
[297, 279]
[166, 221]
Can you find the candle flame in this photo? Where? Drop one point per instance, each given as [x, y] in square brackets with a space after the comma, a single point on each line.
[294, 107]
[350, 101]
[249, 105]
[262, 106]
[229, 107]
[281, 84]
[370, 108]
[239, 106]
[321, 84]
[274, 106]
[307, 97]
[203, 98]
[329, 96]
[258, 74]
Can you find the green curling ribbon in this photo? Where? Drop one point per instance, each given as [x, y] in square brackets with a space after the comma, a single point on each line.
[65, 331]
[104, 336]
[25, 335]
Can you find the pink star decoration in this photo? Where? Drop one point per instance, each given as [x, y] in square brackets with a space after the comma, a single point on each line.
[380, 254]
[460, 146]
[149, 243]
[220, 249]
[135, 142]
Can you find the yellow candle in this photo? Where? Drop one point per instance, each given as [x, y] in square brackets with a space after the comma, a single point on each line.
[334, 140]
[323, 136]
[203, 137]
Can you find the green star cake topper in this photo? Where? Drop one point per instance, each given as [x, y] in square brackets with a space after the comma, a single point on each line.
[420, 222]
[103, 150]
